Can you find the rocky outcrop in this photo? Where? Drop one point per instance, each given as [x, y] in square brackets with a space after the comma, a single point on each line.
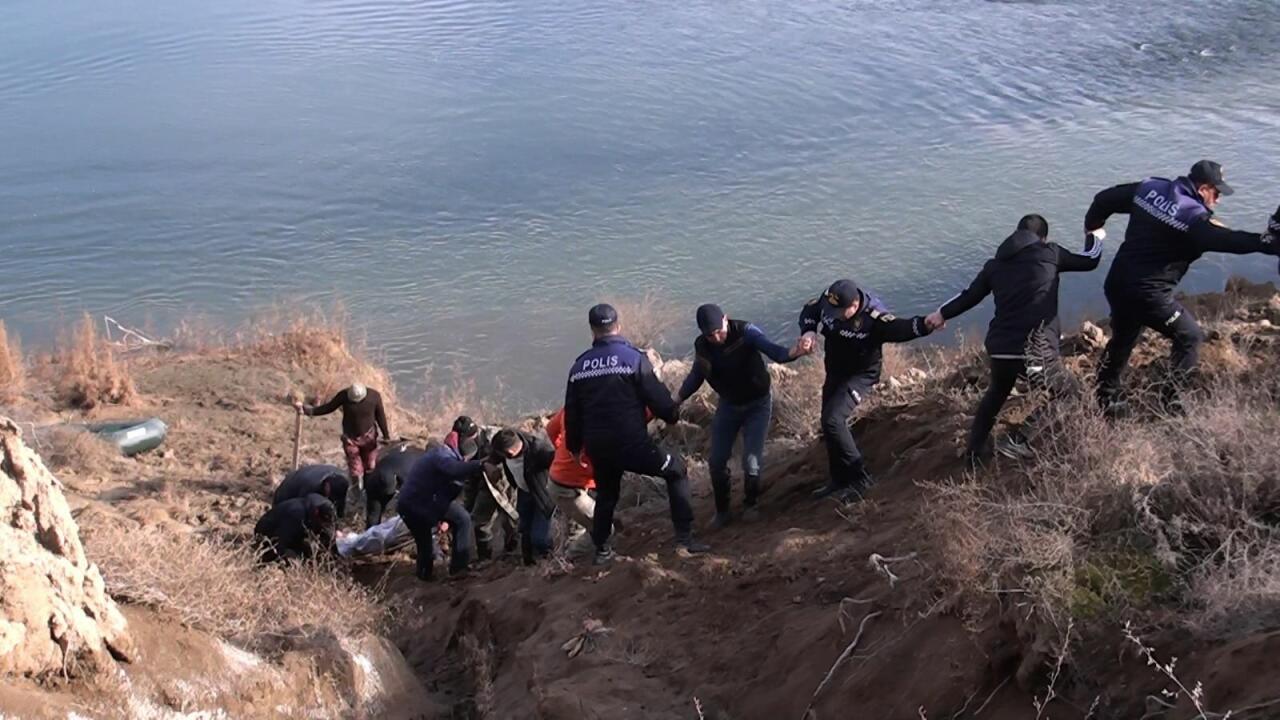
[55, 615]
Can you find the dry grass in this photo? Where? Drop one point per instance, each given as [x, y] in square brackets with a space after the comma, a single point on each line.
[76, 451]
[454, 393]
[222, 589]
[1120, 519]
[478, 663]
[318, 347]
[797, 397]
[90, 374]
[646, 321]
[13, 373]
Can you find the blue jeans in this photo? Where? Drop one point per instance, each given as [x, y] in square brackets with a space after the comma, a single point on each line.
[752, 420]
[535, 527]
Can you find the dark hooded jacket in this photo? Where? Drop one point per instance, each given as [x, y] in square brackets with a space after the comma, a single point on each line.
[1023, 277]
[538, 454]
[297, 527]
[310, 479]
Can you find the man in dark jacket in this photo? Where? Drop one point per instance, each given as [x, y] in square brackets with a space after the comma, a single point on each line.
[727, 354]
[362, 417]
[297, 528]
[855, 329]
[610, 386]
[384, 481]
[525, 461]
[1171, 224]
[488, 496]
[429, 496]
[326, 480]
[1023, 277]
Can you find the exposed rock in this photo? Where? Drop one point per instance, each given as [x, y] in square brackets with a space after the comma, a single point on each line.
[55, 616]
[1092, 335]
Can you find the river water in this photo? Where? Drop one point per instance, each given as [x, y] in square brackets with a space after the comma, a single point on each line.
[467, 177]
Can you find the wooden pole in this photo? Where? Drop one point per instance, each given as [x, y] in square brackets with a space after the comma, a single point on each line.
[297, 438]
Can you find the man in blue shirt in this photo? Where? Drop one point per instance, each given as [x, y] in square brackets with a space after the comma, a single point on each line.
[727, 355]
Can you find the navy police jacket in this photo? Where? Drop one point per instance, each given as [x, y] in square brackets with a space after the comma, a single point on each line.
[1169, 228]
[853, 346]
[609, 388]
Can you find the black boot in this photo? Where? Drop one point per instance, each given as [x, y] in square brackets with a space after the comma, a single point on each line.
[483, 550]
[526, 551]
[751, 494]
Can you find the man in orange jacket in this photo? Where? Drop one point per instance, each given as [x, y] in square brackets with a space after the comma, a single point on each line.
[571, 483]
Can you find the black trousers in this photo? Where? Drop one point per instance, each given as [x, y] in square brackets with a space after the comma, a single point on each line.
[376, 496]
[1052, 376]
[1129, 317]
[841, 395]
[641, 458]
[422, 525]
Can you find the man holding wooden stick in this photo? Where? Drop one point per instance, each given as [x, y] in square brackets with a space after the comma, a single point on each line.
[363, 416]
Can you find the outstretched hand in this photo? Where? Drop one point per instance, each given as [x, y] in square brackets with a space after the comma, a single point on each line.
[1272, 234]
[935, 321]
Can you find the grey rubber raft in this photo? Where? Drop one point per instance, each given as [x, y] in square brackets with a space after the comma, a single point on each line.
[133, 436]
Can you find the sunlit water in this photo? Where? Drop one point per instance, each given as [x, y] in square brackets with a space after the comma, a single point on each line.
[465, 178]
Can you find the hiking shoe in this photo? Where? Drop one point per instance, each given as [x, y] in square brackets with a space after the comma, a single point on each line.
[604, 555]
[750, 514]
[849, 496]
[1014, 448]
[827, 491]
[721, 521]
[689, 546]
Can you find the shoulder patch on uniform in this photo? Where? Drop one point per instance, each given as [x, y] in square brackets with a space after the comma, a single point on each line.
[1216, 221]
[813, 301]
[882, 316]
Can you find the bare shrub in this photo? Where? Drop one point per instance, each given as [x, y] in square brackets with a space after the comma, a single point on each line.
[451, 394]
[13, 374]
[317, 345]
[1110, 520]
[797, 396]
[91, 374]
[222, 589]
[76, 451]
[646, 320]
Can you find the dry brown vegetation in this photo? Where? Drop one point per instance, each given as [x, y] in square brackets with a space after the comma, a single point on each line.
[222, 589]
[645, 321]
[13, 375]
[1156, 516]
[90, 374]
[318, 346]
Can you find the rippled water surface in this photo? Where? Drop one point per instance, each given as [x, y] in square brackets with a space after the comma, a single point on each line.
[467, 177]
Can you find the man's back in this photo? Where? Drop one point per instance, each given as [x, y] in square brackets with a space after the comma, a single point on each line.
[609, 388]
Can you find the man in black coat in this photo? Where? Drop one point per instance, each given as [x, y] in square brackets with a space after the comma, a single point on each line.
[526, 460]
[1023, 278]
[297, 528]
[327, 480]
[384, 481]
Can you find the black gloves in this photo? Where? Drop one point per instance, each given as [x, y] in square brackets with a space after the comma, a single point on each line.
[1271, 236]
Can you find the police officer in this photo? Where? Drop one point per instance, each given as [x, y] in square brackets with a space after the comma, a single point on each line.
[1171, 224]
[609, 388]
[1023, 278]
[855, 328]
[727, 354]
